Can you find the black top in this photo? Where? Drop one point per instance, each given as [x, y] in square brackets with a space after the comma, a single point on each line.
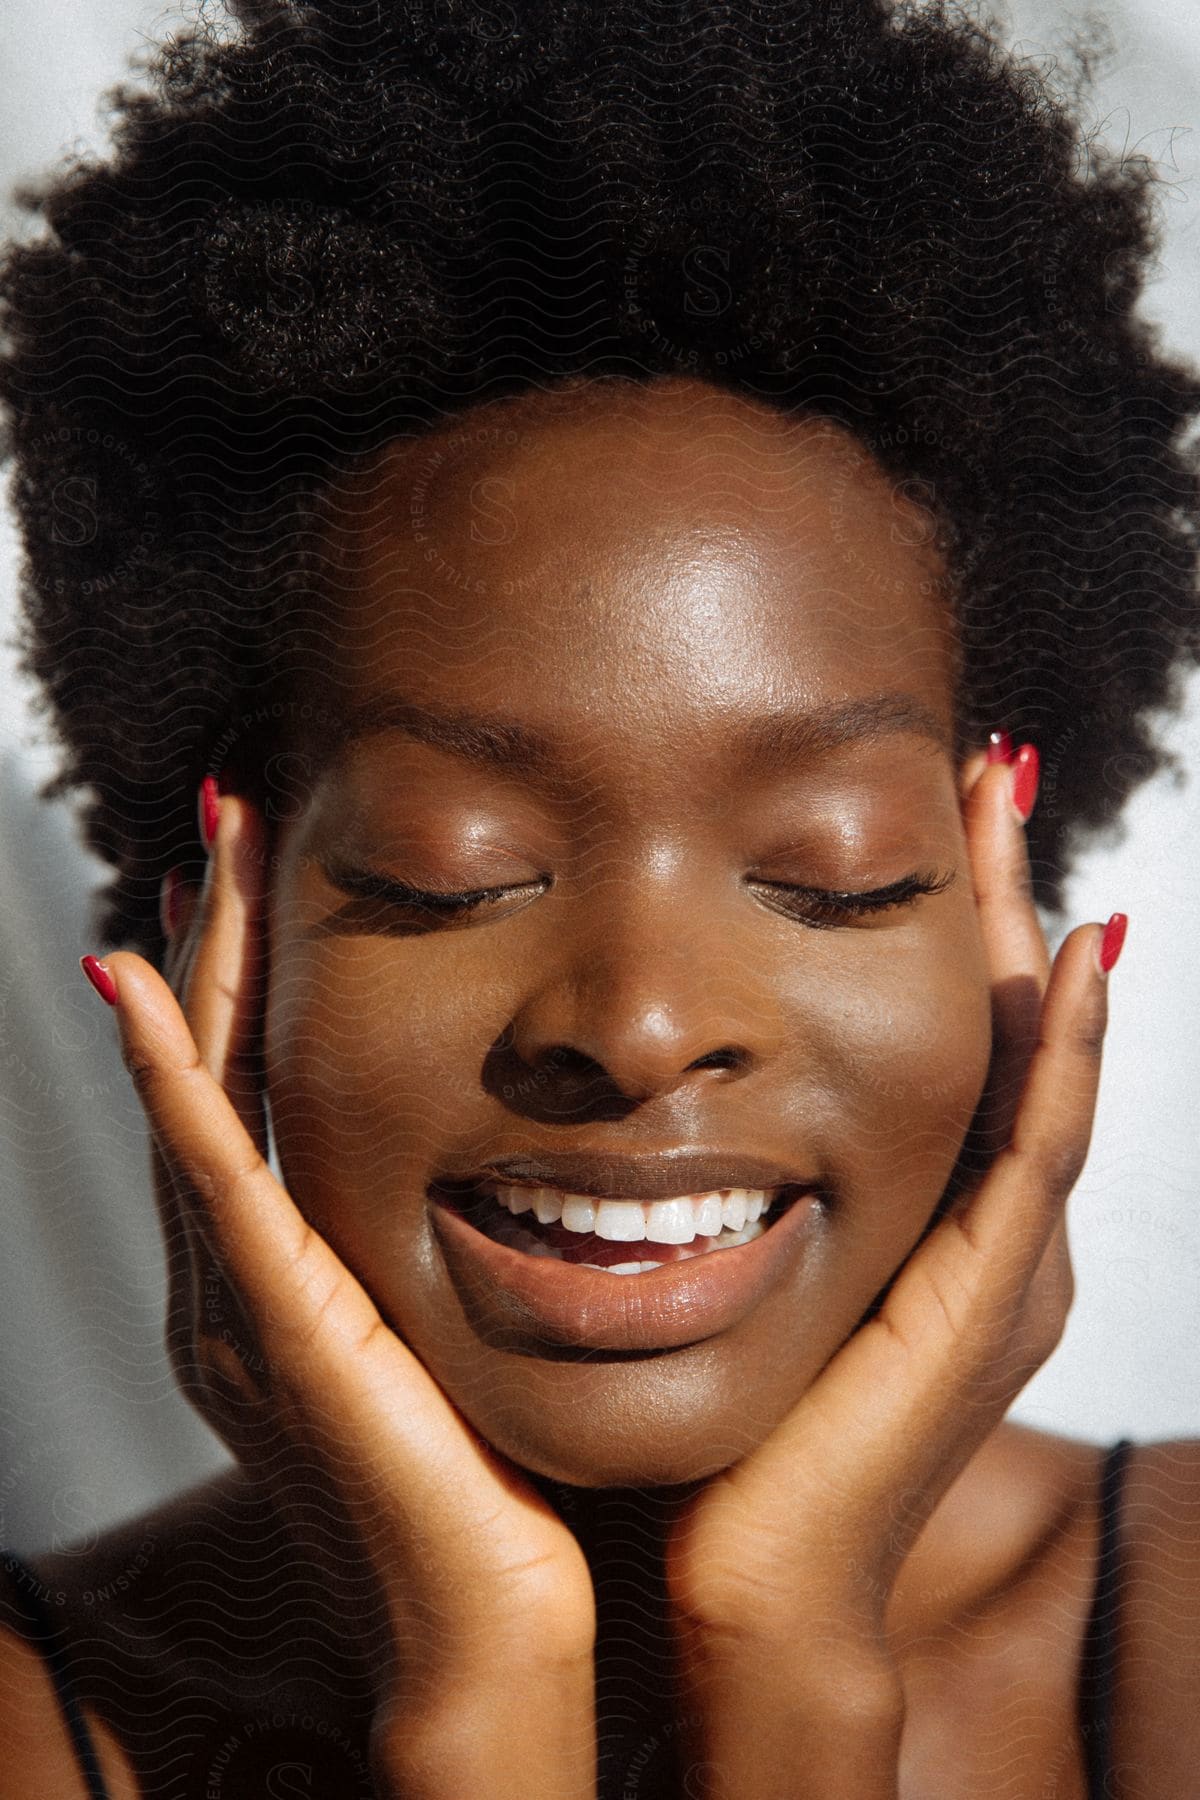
[1097, 1670]
[36, 1625]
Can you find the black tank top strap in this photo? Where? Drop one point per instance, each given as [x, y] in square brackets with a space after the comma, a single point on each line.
[1098, 1669]
[30, 1615]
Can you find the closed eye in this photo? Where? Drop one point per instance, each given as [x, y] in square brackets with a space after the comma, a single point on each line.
[822, 908]
[826, 908]
[366, 884]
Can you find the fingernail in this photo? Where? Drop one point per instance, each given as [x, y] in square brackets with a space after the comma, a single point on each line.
[210, 809]
[1111, 942]
[168, 901]
[100, 978]
[1025, 780]
[999, 747]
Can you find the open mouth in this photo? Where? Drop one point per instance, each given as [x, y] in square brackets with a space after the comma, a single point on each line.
[624, 1237]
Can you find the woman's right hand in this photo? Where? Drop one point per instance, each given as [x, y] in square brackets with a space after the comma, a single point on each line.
[484, 1627]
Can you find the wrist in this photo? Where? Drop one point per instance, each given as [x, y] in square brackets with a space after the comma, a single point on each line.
[476, 1732]
[804, 1714]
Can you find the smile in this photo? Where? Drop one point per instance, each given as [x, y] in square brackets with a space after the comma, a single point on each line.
[553, 1224]
[550, 1282]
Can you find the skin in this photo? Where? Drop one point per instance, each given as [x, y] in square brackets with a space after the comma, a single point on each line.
[671, 595]
[664, 595]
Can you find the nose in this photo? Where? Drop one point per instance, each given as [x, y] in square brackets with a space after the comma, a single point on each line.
[650, 998]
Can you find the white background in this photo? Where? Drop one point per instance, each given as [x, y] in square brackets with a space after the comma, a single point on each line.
[91, 1427]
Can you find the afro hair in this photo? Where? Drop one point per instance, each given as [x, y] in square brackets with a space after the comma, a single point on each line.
[323, 224]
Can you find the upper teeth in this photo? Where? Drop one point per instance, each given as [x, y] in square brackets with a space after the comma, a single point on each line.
[675, 1221]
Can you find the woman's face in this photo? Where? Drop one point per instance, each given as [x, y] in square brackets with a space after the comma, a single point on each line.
[716, 643]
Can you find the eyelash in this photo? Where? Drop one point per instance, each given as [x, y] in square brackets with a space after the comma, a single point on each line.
[833, 905]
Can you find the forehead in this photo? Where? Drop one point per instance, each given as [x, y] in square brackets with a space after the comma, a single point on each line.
[626, 551]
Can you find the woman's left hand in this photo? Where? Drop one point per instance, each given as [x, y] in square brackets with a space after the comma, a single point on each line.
[779, 1569]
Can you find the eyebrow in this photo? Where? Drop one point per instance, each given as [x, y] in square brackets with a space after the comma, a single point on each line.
[771, 740]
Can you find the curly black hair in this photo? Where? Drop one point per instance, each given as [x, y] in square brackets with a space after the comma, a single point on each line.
[323, 224]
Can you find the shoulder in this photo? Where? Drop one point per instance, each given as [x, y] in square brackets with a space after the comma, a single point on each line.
[99, 1604]
[174, 1624]
[1005, 1573]
[40, 1759]
[1156, 1733]
[1022, 1504]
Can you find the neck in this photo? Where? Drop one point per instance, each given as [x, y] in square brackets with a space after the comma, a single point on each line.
[623, 1533]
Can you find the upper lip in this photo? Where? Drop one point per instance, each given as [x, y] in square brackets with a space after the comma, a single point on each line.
[657, 1175]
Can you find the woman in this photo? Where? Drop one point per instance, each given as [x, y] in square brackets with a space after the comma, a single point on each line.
[610, 506]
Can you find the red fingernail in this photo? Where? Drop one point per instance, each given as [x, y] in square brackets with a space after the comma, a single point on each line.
[100, 978]
[1025, 780]
[1111, 942]
[999, 747]
[210, 810]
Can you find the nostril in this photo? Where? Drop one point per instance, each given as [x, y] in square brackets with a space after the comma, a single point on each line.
[564, 1057]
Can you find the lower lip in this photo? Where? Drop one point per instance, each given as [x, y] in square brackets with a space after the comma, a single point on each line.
[678, 1303]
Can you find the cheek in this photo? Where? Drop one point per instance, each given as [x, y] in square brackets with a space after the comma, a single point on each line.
[366, 1070]
[908, 1061]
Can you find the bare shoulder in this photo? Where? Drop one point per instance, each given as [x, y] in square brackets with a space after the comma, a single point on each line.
[1022, 1506]
[40, 1758]
[1156, 1734]
[195, 1638]
[992, 1609]
[85, 1600]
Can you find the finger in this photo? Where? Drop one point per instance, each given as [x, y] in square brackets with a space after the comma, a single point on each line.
[187, 1258]
[282, 1267]
[177, 901]
[179, 906]
[398, 1445]
[1000, 865]
[1014, 942]
[905, 1401]
[223, 988]
[1047, 1303]
[956, 1304]
[201, 1304]
[204, 919]
[190, 1297]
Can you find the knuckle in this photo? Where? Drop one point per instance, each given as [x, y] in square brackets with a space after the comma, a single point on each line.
[1084, 1019]
[1087, 1034]
[539, 1591]
[140, 1066]
[734, 1607]
[239, 1183]
[1059, 1165]
[310, 1296]
[1089, 1043]
[1020, 879]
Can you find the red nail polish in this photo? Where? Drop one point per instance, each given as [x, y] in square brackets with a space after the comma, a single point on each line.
[1111, 942]
[999, 747]
[100, 978]
[210, 810]
[1025, 780]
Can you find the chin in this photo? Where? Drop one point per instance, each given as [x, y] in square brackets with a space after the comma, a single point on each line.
[603, 1452]
[655, 1468]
